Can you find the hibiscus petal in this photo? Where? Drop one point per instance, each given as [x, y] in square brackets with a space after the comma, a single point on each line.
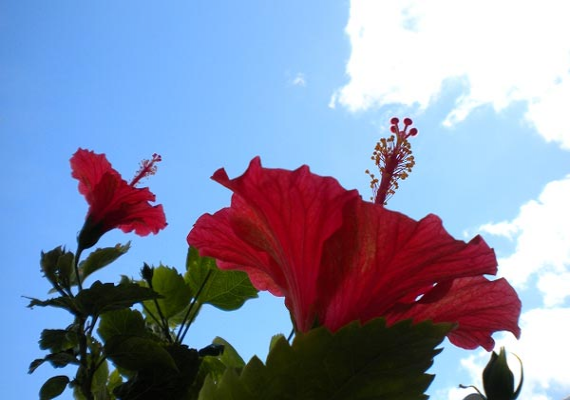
[214, 237]
[288, 215]
[122, 206]
[478, 305]
[89, 168]
[393, 260]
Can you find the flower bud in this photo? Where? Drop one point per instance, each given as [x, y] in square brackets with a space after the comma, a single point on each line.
[498, 380]
[147, 273]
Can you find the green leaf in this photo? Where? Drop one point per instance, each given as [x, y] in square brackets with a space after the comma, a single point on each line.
[99, 383]
[176, 293]
[104, 297]
[136, 353]
[53, 387]
[35, 364]
[101, 258]
[214, 367]
[57, 360]
[230, 357]
[60, 302]
[157, 382]
[357, 362]
[275, 339]
[48, 263]
[57, 340]
[227, 290]
[57, 266]
[178, 318]
[124, 322]
[115, 380]
[62, 359]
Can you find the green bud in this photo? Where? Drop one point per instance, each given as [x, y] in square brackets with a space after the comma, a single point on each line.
[89, 234]
[498, 380]
[147, 273]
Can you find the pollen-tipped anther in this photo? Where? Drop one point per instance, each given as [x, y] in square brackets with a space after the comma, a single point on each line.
[393, 157]
[147, 168]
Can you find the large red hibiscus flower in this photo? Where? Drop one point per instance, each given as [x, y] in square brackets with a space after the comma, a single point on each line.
[338, 259]
[114, 203]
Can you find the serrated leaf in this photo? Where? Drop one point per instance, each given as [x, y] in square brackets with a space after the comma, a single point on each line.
[157, 382]
[115, 380]
[357, 362]
[227, 290]
[104, 297]
[275, 339]
[99, 383]
[60, 302]
[57, 360]
[53, 387]
[57, 340]
[230, 387]
[62, 359]
[136, 353]
[100, 258]
[57, 266]
[48, 262]
[176, 293]
[214, 367]
[230, 357]
[124, 322]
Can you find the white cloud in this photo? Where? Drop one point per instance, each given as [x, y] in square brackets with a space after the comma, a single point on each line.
[299, 80]
[541, 348]
[555, 288]
[541, 232]
[500, 52]
[541, 257]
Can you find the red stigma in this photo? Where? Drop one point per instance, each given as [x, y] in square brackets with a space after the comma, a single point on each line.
[147, 168]
[394, 159]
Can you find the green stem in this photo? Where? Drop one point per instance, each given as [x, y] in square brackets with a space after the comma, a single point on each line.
[291, 335]
[180, 336]
[150, 314]
[76, 266]
[164, 322]
[84, 374]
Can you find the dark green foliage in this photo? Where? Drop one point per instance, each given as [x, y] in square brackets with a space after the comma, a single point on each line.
[357, 362]
[125, 322]
[57, 340]
[214, 367]
[100, 258]
[135, 352]
[103, 297]
[53, 387]
[57, 360]
[57, 266]
[59, 302]
[153, 381]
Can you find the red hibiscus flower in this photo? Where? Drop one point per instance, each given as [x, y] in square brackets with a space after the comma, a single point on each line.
[114, 203]
[336, 258]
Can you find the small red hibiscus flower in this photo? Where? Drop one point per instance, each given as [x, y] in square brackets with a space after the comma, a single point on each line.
[336, 258]
[113, 202]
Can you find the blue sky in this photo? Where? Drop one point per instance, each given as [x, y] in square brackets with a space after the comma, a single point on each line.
[209, 84]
